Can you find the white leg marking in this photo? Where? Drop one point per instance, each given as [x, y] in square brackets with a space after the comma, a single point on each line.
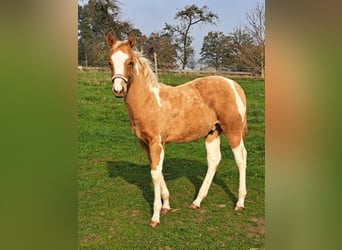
[157, 204]
[240, 155]
[118, 59]
[157, 179]
[164, 190]
[213, 158]
[165, 194]
[239, 103]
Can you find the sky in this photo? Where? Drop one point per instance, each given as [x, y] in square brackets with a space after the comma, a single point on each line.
[151, 15]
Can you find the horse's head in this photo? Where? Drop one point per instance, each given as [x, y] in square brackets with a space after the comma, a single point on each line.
[121, 63]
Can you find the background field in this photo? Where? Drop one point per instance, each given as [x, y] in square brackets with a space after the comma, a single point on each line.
[115, 190]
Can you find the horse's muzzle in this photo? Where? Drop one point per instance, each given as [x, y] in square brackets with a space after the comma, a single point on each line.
[119, 88]
[118, 94]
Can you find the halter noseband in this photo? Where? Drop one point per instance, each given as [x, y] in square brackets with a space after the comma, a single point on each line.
[122, 77]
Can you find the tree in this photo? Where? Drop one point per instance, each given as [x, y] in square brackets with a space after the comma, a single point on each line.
[216, 50]
[256, 28]
[188, 17]
[241, 41]
[95, 20]
[162, 45]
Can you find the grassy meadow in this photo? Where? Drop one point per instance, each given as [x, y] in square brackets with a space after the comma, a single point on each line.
[115, 192]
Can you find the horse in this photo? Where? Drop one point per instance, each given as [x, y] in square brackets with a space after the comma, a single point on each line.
[161, 114]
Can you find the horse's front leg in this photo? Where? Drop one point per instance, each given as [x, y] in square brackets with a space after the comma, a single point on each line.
[160, 189]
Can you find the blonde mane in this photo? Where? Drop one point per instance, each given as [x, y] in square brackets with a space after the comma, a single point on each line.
[145, 64]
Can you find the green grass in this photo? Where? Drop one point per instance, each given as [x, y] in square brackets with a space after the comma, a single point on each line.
[114, 183]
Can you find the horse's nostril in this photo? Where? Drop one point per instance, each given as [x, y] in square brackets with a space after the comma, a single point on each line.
[120, 93]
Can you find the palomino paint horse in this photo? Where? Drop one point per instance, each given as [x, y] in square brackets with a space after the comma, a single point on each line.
[160, 114]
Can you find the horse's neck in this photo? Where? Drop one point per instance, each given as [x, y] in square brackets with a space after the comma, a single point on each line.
[140, 96]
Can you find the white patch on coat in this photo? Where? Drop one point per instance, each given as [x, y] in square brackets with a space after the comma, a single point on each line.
[240, 105]
[161, 157]
[213, 152]
[137, 68]
[160, 143]
[155, 173]
[155, 91]
[118, 60]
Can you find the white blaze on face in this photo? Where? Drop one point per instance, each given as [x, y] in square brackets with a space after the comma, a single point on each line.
[118, 60]
[240, 105]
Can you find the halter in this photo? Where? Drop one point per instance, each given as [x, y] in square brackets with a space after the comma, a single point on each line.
[122, 77]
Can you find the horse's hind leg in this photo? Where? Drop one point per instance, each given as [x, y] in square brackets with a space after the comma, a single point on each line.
[212, 145]
[240, 155]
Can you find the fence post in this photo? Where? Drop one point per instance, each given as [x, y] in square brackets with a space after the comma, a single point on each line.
[155, 64]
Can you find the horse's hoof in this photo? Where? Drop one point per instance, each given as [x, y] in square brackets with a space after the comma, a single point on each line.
[193, 206]
[165, 210]
[153, 223]
[238, 208]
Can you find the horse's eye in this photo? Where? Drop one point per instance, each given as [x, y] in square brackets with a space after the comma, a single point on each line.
[109, 63]
[130, 64]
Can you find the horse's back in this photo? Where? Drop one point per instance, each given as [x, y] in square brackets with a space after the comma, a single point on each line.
[200, 104]
[218, 91]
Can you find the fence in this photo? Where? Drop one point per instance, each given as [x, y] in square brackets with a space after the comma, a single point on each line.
[185, 72]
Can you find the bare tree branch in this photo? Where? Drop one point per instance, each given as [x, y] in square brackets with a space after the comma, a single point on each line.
[188, 17]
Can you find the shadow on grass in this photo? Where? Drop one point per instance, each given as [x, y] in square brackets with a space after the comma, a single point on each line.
[174, 168]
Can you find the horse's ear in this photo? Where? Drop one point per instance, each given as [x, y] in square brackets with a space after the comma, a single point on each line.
[111, 39]
[131, 40]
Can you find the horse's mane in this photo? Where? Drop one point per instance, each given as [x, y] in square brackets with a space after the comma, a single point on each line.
[145, 64]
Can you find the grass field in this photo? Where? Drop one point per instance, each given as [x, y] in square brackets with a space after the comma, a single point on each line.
[115, 193]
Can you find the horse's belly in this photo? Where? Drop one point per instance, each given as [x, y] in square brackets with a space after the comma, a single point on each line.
[185, 137]
[190, 128]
